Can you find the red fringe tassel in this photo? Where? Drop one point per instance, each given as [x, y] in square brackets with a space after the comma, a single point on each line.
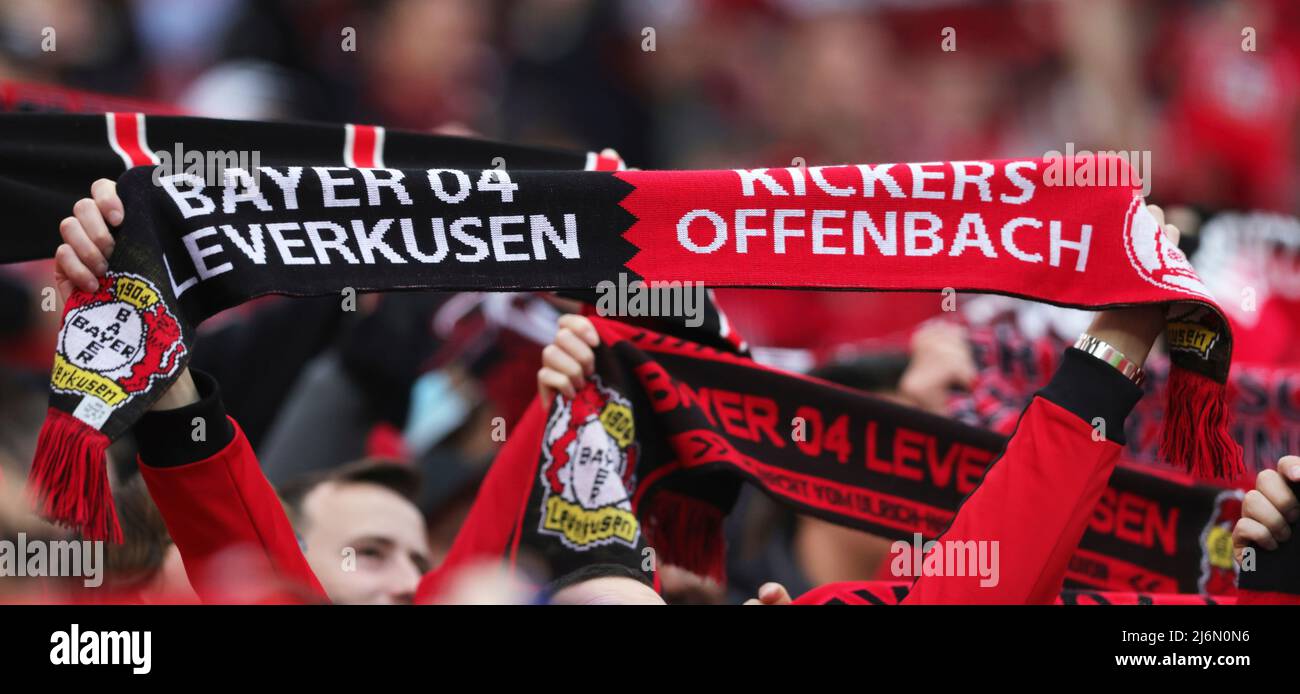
[687, 533]
[1196, 427]
[69, 478]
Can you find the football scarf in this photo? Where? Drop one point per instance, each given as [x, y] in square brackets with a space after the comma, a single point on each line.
[48, 161]
[893, 593]
[640, 468]
[190, 248]
[36, 97]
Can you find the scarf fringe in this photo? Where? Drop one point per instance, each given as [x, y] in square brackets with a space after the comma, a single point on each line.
[1196, 433]
[687, 533]
[68, 483]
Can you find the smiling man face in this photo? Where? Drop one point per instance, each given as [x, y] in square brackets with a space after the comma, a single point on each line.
[363, 537]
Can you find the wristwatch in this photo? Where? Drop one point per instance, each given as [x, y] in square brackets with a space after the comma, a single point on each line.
[1103, 351]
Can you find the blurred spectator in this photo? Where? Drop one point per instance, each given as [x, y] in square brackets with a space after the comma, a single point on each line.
[361, 531]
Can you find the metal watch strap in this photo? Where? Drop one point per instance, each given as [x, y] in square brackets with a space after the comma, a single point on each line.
[1103, 351]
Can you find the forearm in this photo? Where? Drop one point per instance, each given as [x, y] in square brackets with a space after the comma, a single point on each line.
[183, 392]
[217, 505]
[1035, 501]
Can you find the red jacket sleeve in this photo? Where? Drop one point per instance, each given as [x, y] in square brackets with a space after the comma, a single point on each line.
[1033, 505]
[226, 520]
[491, 531]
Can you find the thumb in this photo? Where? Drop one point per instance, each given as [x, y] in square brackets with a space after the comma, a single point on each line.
[773, 594]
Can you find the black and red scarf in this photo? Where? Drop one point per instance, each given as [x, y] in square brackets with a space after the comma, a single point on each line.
[48, 160]
[640, 468]
[892, 593]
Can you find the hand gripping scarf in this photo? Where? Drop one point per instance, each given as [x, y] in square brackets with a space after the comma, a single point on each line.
[189, 249]
[1274, 577]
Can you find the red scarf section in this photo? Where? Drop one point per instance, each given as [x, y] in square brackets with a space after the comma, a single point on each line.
[1000, 227]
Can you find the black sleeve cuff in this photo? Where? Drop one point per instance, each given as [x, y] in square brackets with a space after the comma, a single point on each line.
[1091, 388]
[166, 438]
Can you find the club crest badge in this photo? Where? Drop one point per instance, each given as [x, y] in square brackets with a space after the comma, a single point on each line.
[589, 457]
[1218, 569]
[115, 342]
[1157, 259]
